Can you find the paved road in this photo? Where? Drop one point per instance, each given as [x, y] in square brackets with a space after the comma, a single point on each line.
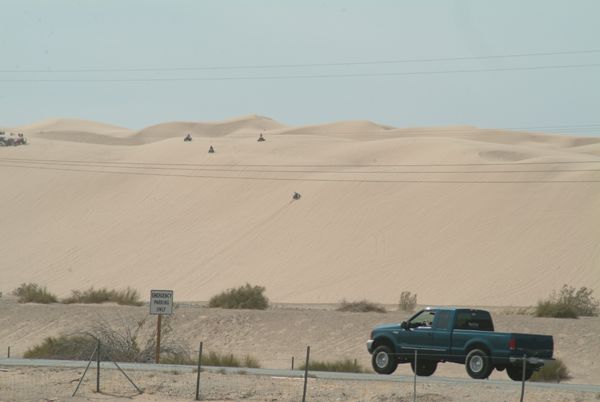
[296, 373]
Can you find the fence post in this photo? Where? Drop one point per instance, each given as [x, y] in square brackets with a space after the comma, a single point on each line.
[306, 373]
[415, 379]
[8, 354]
[98, 367]
[198, 376]
[292, 363]
[523, 378]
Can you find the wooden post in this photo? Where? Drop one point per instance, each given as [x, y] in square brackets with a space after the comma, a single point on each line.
[292, 363]
[158, 325]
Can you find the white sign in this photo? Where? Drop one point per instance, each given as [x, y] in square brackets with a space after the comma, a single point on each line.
[161, 302]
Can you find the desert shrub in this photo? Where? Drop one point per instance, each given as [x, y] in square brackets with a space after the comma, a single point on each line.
[244, 297]
[74, 347]
[229, 360]
[408, 301]
[126, 296]
[549, 308]
[33, 293]
[131, 342]
[362, 306]
[342, 366]
[569, 303]
[553, 371]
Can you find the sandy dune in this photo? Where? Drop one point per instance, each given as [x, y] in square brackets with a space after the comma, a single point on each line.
[83, 209]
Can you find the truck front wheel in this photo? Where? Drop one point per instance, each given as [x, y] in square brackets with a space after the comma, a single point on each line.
[384, 361]
[478, 364]
[515, 373]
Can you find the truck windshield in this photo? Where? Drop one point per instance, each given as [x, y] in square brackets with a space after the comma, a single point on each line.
[474, 320]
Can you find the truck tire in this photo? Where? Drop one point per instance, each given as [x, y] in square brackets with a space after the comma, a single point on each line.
[384, 361]
[425, 368]
[478, 364]
[515, 373]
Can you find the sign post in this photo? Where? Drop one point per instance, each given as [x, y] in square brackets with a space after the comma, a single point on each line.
[161, 303]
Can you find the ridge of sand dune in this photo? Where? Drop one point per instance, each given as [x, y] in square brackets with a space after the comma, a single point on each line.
[339, 128]
[73, 125]
[243, 124]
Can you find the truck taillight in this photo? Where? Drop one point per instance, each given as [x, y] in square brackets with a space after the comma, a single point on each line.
[512, 344]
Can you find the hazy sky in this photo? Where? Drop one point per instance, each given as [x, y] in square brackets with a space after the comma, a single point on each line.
[168, 39]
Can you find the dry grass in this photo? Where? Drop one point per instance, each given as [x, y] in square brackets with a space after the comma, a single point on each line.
[33, 293]
[128, 296]
[362, 306]
[342, 366]
[244, 297]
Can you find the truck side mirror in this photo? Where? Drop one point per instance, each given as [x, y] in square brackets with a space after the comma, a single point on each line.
[404, 325]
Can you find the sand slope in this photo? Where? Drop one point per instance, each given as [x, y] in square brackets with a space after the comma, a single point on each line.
[161, 213]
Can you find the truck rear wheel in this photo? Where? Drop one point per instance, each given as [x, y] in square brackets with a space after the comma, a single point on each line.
[384, 360]
[478, 364]
[515, 373]
[424, 368]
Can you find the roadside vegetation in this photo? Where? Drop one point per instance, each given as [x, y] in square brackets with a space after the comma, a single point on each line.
[133, 341]
[33, 293]
[362, 306]
[128, 296]
[553, 371]
[244, 297]
[65, 347]
[569, 302]
[341, 366]
[229, 360]
[408, 301]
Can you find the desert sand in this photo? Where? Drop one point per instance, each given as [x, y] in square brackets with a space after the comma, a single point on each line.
[92, 204]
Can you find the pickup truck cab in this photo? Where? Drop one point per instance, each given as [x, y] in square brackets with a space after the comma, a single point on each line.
[457, 335]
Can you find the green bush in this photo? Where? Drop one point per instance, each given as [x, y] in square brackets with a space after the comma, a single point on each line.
[33, 293]
[553, 309]
[569, 303]
[126, 296]
[244, 297]
[553, 371]
[362, 306]
[408, 301]
[342, 366]
[75, 347]
[229, 360]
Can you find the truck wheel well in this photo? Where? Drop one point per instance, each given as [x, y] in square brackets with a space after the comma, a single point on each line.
[384, 341]
[479, 346]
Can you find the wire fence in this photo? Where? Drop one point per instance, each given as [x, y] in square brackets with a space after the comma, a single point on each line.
[298, 382]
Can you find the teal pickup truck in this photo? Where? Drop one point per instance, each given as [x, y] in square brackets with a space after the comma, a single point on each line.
[457, 335]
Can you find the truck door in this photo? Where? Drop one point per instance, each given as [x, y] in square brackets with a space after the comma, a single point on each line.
[418, 336]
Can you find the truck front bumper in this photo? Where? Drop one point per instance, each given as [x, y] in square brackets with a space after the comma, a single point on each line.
[370, 346]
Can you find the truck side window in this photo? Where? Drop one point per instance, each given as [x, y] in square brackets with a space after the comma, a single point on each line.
[442, 320]
[424, 319]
